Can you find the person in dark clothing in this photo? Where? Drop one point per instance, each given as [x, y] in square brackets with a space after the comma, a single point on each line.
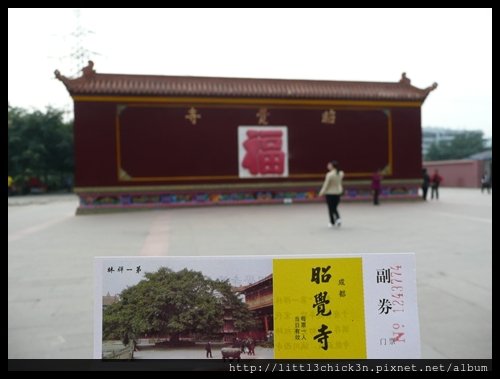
[376, 186]
[436, 180]
[208, 348]
[425, 183]
[486, 183]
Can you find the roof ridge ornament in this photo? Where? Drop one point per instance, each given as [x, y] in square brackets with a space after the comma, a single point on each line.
[404, 79]
[60, 77]
[431, 88]
[87, 73]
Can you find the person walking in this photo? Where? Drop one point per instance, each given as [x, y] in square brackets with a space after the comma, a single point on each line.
[376, 185]
[332, 189]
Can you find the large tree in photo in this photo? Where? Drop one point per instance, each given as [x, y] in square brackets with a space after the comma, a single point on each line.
[172, 303]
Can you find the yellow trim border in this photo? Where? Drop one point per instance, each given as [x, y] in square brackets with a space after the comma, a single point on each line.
[248, 101]
[122, 178]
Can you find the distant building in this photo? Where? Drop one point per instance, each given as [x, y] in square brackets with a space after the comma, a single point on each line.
[436, 135]
[109, 299]
[229, 333]
[486, 155]
[259, 298]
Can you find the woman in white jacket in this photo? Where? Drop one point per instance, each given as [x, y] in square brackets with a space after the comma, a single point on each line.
[332, 188]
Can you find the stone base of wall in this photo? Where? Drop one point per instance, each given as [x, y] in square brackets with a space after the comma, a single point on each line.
[93, 200]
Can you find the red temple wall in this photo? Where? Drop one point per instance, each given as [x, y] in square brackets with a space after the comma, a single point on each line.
[407, 146]
[95, 153]
[157, 141]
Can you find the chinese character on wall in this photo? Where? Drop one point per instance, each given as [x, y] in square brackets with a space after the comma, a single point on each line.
[328, 117]
[263, 151]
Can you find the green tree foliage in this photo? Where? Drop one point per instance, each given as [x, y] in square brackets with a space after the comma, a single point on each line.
[40, 145]
[172, 303]
[461, 146]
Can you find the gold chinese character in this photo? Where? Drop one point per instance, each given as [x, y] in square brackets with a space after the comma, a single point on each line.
[262, 115]
[328, 117]
[193, 115]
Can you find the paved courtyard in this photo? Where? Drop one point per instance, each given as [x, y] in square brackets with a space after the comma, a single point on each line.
[50, 259]
[198, 353]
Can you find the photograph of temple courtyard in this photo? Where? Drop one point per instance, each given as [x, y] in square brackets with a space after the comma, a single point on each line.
[184, 313]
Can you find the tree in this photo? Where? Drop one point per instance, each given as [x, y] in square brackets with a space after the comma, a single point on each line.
[461, 146]
[173, 303]
[40, 145]
[466, 144]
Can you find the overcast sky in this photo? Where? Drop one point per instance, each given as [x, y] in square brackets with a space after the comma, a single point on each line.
[238, 270]
[450, 46]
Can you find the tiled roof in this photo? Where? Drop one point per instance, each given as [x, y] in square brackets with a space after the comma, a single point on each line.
[92, 83]
[108, 299]
[243, 289]
[482, 156]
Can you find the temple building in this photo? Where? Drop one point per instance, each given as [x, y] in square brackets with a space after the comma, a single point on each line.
[108, 299]
[144, 141]
[259, 298]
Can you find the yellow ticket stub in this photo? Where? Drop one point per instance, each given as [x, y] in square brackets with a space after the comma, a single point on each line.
[319, 308]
